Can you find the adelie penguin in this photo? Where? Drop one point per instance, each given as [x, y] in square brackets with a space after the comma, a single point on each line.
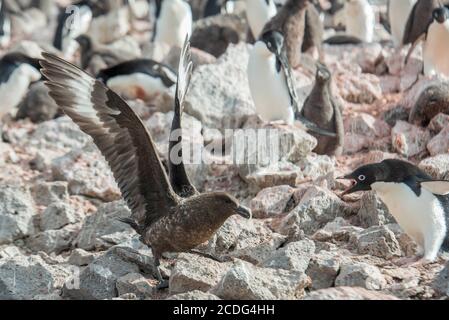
[138, 79]
[272, 85]
[359, 19]
[17, 72]
[419, 203]
[398, 13]
[323, 109]
[173, 23]
[168, 213]
[436, 44]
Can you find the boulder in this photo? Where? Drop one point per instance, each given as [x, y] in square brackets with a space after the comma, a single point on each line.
[360, 274]
[409, 140]
[348, 293]
[294, 256]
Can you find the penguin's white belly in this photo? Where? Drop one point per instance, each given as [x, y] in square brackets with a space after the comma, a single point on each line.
[436, 48]
[73, 28]
[136, 86]
[5, 38]
[13, 91]
[259, 13]
[399, 12]
[174, 24]
[360, 22]
[419, 217]
[269, 89]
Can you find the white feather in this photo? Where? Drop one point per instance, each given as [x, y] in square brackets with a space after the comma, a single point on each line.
[436, 50]
[359, 19]
[259, 13]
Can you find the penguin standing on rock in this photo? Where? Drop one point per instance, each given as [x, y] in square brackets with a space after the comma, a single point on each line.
[419, 203]
[436, 44]
[17, 72]
[323, 109]
[139, 78]
[173, 23]
[271, 83]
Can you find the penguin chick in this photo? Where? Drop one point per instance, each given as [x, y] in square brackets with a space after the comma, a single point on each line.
[323, 109]
[290, 21]
[173, 23]
[17, 72]
[419, 203]
[398, 13]
[259, 12]
[271, 82]
[138, 78]
[359, 19]
[436, 44]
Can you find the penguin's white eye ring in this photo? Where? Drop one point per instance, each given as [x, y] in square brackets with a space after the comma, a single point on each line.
[361, 177]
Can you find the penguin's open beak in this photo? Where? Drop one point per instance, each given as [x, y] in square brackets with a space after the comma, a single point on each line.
[353, 188]
[244, 212]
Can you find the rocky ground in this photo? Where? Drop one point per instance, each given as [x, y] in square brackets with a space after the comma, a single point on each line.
[59, 204]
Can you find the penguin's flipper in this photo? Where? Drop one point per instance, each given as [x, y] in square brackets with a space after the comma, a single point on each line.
[408, 31]
[178, 176]
[436, 187]
[412, 48]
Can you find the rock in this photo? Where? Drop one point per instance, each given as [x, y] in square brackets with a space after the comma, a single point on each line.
[437, 166]
[24, 278]
[294, 256]
[199, 57]
[98, 280]
[316, 208]
[80, 257]
[398, 113]
[438, 123]
[98, 226]
[441, 282]
[271, 201]
[9, 251]
[193, 272]
[37, 104]
[219, 93]
[440, 143]
[281, 173]
[360, 274]
[373, 212]
[53, 240]
[58, 215]
[247, 282]
[367, 125]
[408, 246]
[377, 241]
[95, 180]
[409, 140]
[315, 166]
[194, 295]
[111, 26]
[259, 252]
[46, 193]
[214, 34]
[348, 293]
[338, 229]
[323, 269]
[16, 213]
[134, 283]
[433, 99]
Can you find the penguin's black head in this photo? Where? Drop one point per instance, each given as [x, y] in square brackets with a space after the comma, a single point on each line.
[274, 40]
[440, 14]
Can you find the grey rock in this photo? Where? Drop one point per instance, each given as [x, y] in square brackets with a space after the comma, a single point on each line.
[245, 281]
[136, 284]
[194, 295]
[46, 193]
[323, 269]
[16, 213]
[9, 251]
[373, 212]
[438, 122]
[437, 166]
[377, 241]
[80, 257]
[24, 277]
[294, 256]
[360, 274]
[193, 272]
[103, 223]
[98, 280]
[441, 282]
[348, 293]
[58, 215]
[257, 253]
[271, 202]
[409, 140]
[338, 229]
[219, 93]
[53, 240]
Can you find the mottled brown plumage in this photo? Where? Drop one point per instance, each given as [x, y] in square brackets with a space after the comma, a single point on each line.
[322, 108]
[314, 29]
[167, 219]
[290, 21]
